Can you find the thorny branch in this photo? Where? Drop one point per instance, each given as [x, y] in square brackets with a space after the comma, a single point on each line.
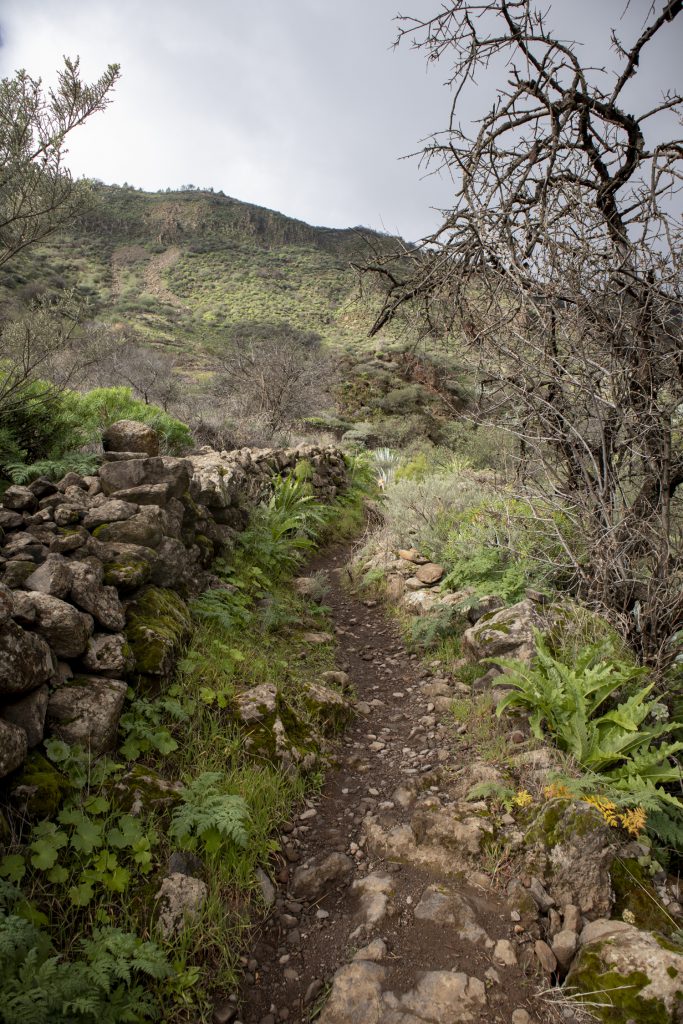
[558, 273]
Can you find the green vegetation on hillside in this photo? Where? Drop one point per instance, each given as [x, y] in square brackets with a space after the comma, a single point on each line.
[176, 268]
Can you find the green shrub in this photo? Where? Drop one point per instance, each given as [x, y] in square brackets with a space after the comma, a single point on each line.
[502, 547]
[624, 747]
[417, 468]
[362, 435]
[42, 436]
[104, 986]
[103, 406]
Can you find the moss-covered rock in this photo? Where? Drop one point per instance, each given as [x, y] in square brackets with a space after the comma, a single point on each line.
[144, 789]
[505, 633]
[634, 977]
[40, 788]
[127, 566]
[274, 730]
[327, 707]
[158, 622]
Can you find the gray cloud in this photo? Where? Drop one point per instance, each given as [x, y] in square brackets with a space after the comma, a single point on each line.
[298, 105]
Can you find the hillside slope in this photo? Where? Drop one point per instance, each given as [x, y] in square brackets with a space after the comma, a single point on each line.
[178, 268]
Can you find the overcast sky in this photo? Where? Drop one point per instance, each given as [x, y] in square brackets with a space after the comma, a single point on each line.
[298, 105]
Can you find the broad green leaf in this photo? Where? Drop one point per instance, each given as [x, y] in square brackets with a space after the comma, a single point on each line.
[81, 894]
[117, 880]
[97, 805]
[13, 867]
[58, 874]
[87, 837]
[46, 848]
[127, 833]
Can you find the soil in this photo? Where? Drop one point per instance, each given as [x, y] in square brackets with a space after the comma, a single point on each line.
[301, 945]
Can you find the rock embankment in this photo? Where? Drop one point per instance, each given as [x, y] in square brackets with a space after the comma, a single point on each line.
[95, 572]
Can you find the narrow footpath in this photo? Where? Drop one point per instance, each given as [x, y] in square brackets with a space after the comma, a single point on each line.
[383, 880]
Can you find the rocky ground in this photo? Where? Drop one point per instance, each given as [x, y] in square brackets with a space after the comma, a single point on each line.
[386, 907]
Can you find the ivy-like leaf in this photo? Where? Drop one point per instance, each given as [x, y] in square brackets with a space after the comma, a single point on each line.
[82, 894]
[47, 846]
[97, 805]
[127, 833]
[87, 834]
[13, 867]
[58, 874]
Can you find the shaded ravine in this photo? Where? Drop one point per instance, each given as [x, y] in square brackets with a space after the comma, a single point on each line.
[414, 920]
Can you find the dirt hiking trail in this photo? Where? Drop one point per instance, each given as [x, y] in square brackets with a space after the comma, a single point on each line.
[384, 912]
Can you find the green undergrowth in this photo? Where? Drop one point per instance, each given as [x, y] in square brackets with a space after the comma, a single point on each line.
[53, 432]
[616, 724]
[80, 939]
[601, 712]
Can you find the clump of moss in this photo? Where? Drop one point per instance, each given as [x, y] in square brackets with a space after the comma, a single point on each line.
[633, 892]
[128, 572]
[620, 1001]
[40, 787]
[560, 820]
[158, 624]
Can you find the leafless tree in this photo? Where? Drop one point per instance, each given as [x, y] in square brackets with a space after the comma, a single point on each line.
[37, 192]
[558, 271]
[148, 369]
[51, 342]
[271, 375]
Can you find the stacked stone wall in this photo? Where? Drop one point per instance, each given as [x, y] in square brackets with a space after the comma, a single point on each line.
[95, 573]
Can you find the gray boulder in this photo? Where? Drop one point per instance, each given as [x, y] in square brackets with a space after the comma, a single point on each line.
[181, 897]
[146, 494]
[130, 436]
[6, 604]
[13, 747]
[87, 711]
[639, 976]
[25, 545]
[506, 633]
[108, 654]
[574, 848]
[52, 577]
[19, 499]
[25, 660]
[28, 713]
[88, 592]
[112, 511]
[145, 528]
[69, 539]
[217, 478]
[311, 882]
[10, 520]
[174, 566]
[126, 566]
[119, 476]
[68, 515]
[64, 628]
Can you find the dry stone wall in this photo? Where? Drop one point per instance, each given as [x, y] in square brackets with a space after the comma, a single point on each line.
[95, 572]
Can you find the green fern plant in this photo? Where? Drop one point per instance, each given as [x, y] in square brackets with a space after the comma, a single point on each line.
[104, 986]
[76, 462]
[209, 816]
[498, 792]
